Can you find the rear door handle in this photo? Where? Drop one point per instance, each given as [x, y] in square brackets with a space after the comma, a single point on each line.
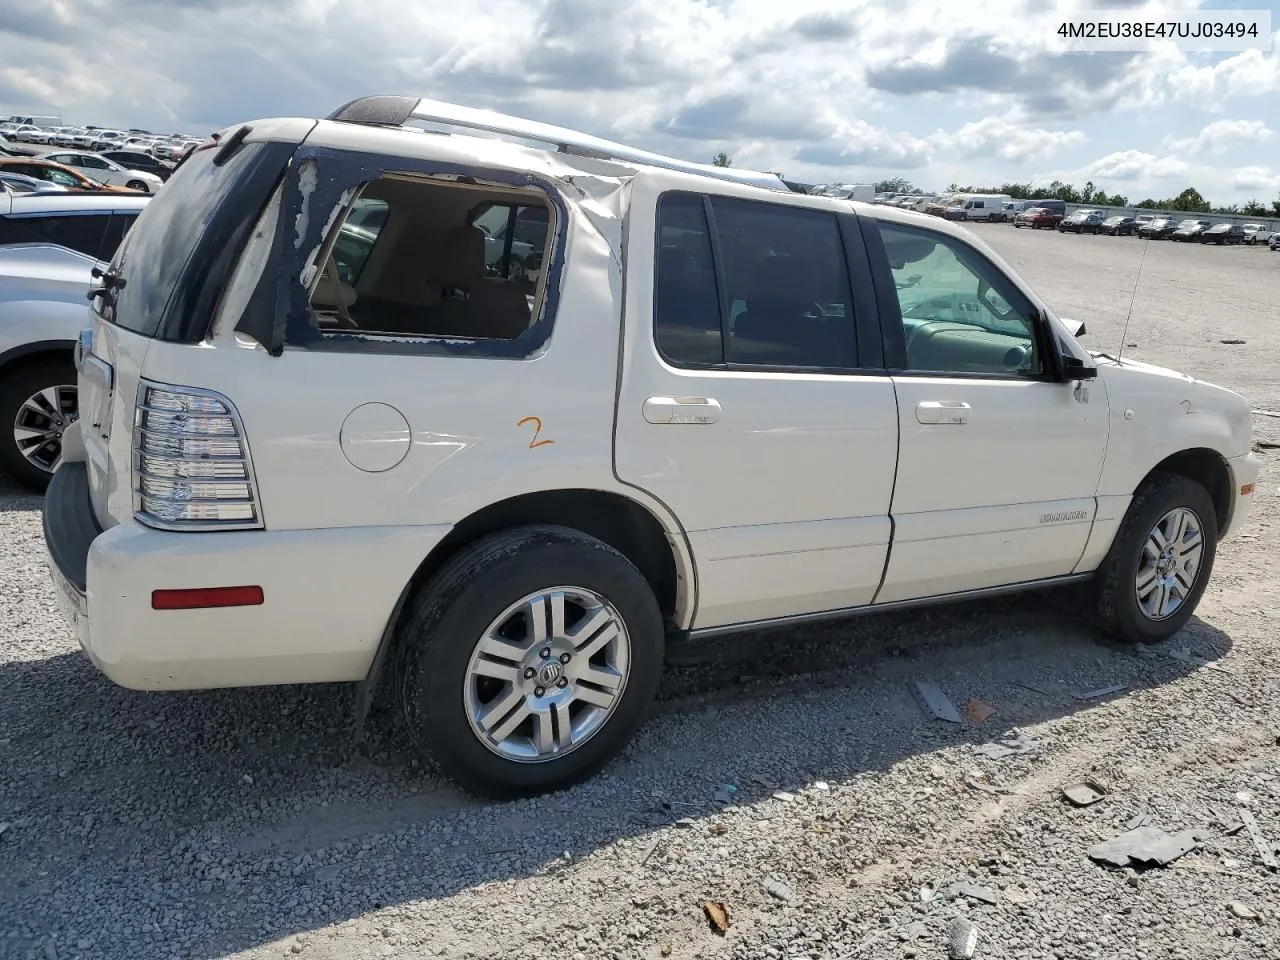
[943, 411]
[681, 410]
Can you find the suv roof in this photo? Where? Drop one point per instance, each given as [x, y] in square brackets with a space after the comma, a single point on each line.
[394, 111]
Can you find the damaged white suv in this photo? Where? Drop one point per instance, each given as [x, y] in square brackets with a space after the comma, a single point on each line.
[494, 422]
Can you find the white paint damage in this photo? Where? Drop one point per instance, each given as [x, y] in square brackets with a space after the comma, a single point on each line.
[309, 271]
[308, 180]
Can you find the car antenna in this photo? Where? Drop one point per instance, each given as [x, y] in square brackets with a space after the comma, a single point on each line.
[1124, 333]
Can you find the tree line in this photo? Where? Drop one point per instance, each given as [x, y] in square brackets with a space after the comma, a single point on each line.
[1189, 200]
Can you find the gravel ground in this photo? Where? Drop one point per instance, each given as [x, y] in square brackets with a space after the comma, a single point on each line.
[247, 824]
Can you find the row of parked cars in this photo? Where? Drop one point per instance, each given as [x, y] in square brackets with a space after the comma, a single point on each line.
[1148, 226]
[100, 139]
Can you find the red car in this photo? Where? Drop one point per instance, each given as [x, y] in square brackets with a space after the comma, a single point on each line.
[1037, 218]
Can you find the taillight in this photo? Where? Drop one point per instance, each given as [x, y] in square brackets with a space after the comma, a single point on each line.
[191, 466]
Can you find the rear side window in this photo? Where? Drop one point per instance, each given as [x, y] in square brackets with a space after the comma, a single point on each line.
[83, 233]
[434, 260]
[751, 284]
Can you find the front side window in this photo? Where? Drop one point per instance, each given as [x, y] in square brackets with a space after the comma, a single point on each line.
[94, 163]
[786, 298]
[959, 314]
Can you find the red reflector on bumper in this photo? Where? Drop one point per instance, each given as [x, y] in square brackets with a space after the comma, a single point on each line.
[207, 597]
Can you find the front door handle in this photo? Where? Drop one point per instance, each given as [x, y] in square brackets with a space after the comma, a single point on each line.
[943, 411]
[681, 410]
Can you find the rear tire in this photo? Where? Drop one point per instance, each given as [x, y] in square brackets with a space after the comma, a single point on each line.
[138, 185]
[1140, 580]
[32, 399]
[607, 638]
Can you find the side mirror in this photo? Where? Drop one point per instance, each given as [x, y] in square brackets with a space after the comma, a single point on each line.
[1074, 327]
[1073, 368]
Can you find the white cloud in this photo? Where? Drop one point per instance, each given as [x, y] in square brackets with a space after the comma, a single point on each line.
[1006, 139]
[1260, 179]
[1134, 166]
[1220, 137]
[1250, 73]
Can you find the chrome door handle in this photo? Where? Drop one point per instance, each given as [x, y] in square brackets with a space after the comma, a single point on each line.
[943, 411]
[681, 410]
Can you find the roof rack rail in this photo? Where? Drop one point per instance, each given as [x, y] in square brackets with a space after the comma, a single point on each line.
[398, 111]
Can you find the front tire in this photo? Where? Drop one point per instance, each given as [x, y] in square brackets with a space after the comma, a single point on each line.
[529, 660]
[37, 404]
[1160, 563]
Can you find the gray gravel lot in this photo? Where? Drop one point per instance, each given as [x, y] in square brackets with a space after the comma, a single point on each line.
[246, 824]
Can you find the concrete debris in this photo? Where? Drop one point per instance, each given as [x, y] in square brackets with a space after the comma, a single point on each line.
[778, 889]
[1259, 840]
[784, 796]
[1084, 793]
[912, 931]
[936, 703]
[1010, 745]
[962, 939]
[1141, 820]
[971, 891]
[1242, 911]
[1146, 846]
[1102, 692]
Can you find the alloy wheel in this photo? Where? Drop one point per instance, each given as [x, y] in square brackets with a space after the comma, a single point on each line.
[41, 421]
[1170, 564]
[547, 674]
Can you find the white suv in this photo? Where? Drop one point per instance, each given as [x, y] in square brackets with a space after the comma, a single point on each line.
[311, 450]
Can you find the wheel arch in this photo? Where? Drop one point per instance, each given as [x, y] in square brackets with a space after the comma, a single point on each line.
[36, 351]
[636, 530]
[1206, 467]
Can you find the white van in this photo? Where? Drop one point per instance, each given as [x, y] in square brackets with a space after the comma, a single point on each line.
[37, 120]
[989, 207]
[481, 426]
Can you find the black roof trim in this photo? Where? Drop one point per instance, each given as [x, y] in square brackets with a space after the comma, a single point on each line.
[387, 111]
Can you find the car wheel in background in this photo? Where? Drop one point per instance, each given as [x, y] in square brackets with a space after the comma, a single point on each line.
[37, 404]
[138, 185]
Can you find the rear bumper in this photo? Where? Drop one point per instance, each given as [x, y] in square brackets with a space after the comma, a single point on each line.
[327, 596]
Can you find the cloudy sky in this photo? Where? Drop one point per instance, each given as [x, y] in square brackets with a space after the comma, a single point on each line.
[853, 90]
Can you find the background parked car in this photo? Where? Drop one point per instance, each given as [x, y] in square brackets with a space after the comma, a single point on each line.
[20, 183]
[48, 246]
[1082, 221]
[98, 167]
[56, 173]
[1038, 218]
[136, 160]
[1119, 226]
[7, 149]
[1223, 233]
[1161, 228]
[1256, 233]
[1273, 241]
[1190, 229]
